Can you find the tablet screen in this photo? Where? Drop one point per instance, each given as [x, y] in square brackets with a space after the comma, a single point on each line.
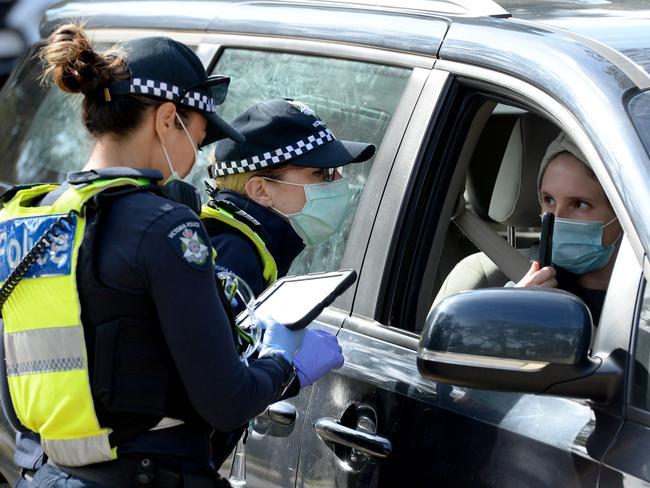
[290, 300]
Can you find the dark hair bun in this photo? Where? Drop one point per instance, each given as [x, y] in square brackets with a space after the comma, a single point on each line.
[72, 62]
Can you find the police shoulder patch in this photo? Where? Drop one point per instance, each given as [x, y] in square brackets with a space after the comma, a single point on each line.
[188, 238]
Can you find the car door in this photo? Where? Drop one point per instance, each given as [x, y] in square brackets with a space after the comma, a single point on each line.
[359, 100]
[377, 421]
[627, 463]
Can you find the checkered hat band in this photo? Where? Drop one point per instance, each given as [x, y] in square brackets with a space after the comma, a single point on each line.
[223, 168]
[194, 99]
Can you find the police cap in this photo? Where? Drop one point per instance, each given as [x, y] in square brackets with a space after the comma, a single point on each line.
[283, 131]
[166, 69]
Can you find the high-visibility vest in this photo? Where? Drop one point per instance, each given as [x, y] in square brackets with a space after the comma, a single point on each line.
[269, 268]
[46, 358]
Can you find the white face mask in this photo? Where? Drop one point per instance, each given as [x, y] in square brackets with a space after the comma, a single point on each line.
[173, 173]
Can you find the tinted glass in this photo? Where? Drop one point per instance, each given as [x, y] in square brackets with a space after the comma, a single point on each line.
[641, 386]
[355, 99]
[639, 109]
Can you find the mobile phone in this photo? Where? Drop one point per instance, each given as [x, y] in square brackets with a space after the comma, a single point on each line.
[297, 300]
[546, 240]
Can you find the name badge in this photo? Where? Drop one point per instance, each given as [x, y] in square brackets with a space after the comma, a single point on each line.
[18, 236]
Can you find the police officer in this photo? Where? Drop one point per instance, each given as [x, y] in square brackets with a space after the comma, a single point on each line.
[276, 192]
[119, 351]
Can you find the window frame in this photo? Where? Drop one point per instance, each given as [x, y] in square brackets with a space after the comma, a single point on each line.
[514, 91]
[386, 218]
[435, 169]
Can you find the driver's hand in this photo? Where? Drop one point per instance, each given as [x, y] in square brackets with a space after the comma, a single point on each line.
[535, 277]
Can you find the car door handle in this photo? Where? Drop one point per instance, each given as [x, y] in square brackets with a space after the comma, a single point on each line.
[282, 413]
[374, 445]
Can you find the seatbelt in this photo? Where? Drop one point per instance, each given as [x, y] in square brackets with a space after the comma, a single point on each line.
[510, 261]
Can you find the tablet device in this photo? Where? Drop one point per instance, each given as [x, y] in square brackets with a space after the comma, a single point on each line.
[297, 300]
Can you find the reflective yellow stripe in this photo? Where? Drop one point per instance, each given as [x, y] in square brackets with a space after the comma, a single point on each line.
[270, 271]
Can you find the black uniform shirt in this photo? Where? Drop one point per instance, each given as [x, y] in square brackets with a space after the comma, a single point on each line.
[153, 246]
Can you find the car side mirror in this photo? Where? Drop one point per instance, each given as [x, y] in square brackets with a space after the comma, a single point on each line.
[515, 339]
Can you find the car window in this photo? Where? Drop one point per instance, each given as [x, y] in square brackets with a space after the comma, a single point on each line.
[478, 220]
[42, 136]
[55, 141]
[356, 99]
[496, 175]
[641, 380]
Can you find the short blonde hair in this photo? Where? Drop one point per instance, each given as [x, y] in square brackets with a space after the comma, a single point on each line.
[236, 182]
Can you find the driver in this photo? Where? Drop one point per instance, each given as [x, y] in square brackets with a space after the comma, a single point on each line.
[586, 233]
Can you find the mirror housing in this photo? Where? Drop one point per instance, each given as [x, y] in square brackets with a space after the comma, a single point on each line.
[515, 339]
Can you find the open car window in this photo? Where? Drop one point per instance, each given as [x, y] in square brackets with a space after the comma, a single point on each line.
[501, 194]
[474, 218]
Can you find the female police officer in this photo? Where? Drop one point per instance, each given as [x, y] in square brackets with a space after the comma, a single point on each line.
[275, 192]
[119, 352]
[282, 183]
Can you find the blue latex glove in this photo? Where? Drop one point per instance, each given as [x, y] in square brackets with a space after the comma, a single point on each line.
[278, 339]
[320, 353]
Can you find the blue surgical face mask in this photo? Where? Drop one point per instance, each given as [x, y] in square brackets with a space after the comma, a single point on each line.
[578, 245]
[324, 211]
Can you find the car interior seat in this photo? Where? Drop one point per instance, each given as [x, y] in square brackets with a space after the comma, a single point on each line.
[481, 175]
[513, 203]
